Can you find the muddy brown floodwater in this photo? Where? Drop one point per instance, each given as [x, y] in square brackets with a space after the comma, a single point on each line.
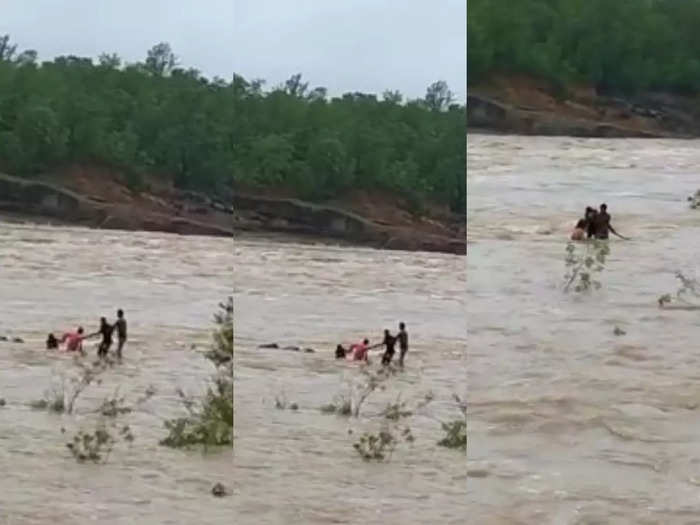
[299, 466]
[52, 279]
[569, 423]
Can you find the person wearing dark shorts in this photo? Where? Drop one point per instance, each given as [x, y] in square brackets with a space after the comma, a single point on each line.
[389, 341]
[402, 336]
[120, 325]
[105, 331]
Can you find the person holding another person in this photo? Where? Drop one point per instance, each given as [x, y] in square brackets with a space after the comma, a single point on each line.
[389, 342]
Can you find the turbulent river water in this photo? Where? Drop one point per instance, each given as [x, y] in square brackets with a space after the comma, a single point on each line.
[568, 422]
[52, 279]
[299, 466]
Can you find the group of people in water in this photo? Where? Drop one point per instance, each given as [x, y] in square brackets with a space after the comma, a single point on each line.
[74, 340]
[595, 224]
[360, 351]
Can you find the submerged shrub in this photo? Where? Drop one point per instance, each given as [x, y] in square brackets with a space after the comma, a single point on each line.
[209, 422]
[96, 446]
[456, 430]
[582, 268]
[688, 293]
[375, 447]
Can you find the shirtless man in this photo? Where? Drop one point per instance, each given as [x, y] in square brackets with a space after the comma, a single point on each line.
[120, 325]
[403, 342]
[602, 224]
[590, 218]
[105, 331]
[389, 341]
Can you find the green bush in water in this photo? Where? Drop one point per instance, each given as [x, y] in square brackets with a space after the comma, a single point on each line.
[210, 422]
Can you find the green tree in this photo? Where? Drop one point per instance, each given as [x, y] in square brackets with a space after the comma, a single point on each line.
[207, 134]
[624, 46]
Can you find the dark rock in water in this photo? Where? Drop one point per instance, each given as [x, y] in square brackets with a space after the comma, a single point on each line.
[3, 338]
[218, 490]
[2, 402]
[694, 200]
[309, 350]
[292, 348]
[269, 345]
[17, 340]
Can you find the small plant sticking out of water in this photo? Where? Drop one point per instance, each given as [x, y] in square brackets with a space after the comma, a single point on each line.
[455, 434]
[373, 380]
[370, 381]
[60, 399]
[582, 268]
[341, 406]
[619, 331]
[664, 300]
[115, 406]
[96, 446]
[210, 422]
[53, 400]
[396, 411]
[281, 403]
[456, 430]
[376, 447]
[381, 445]
[687, 294]
[695, 200]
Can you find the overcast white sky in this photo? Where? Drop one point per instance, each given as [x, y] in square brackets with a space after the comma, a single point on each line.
[344, 45]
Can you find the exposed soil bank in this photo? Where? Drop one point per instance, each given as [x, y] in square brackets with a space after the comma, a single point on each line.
[523, 106]
[377, 221]
[99, 198]
[96, 197]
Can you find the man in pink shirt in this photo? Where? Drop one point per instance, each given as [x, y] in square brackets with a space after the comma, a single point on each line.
[74, 340]
[359, 350]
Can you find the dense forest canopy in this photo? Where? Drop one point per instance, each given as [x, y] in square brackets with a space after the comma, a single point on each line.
[158, 117]
[295, 137]
[621, 46]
